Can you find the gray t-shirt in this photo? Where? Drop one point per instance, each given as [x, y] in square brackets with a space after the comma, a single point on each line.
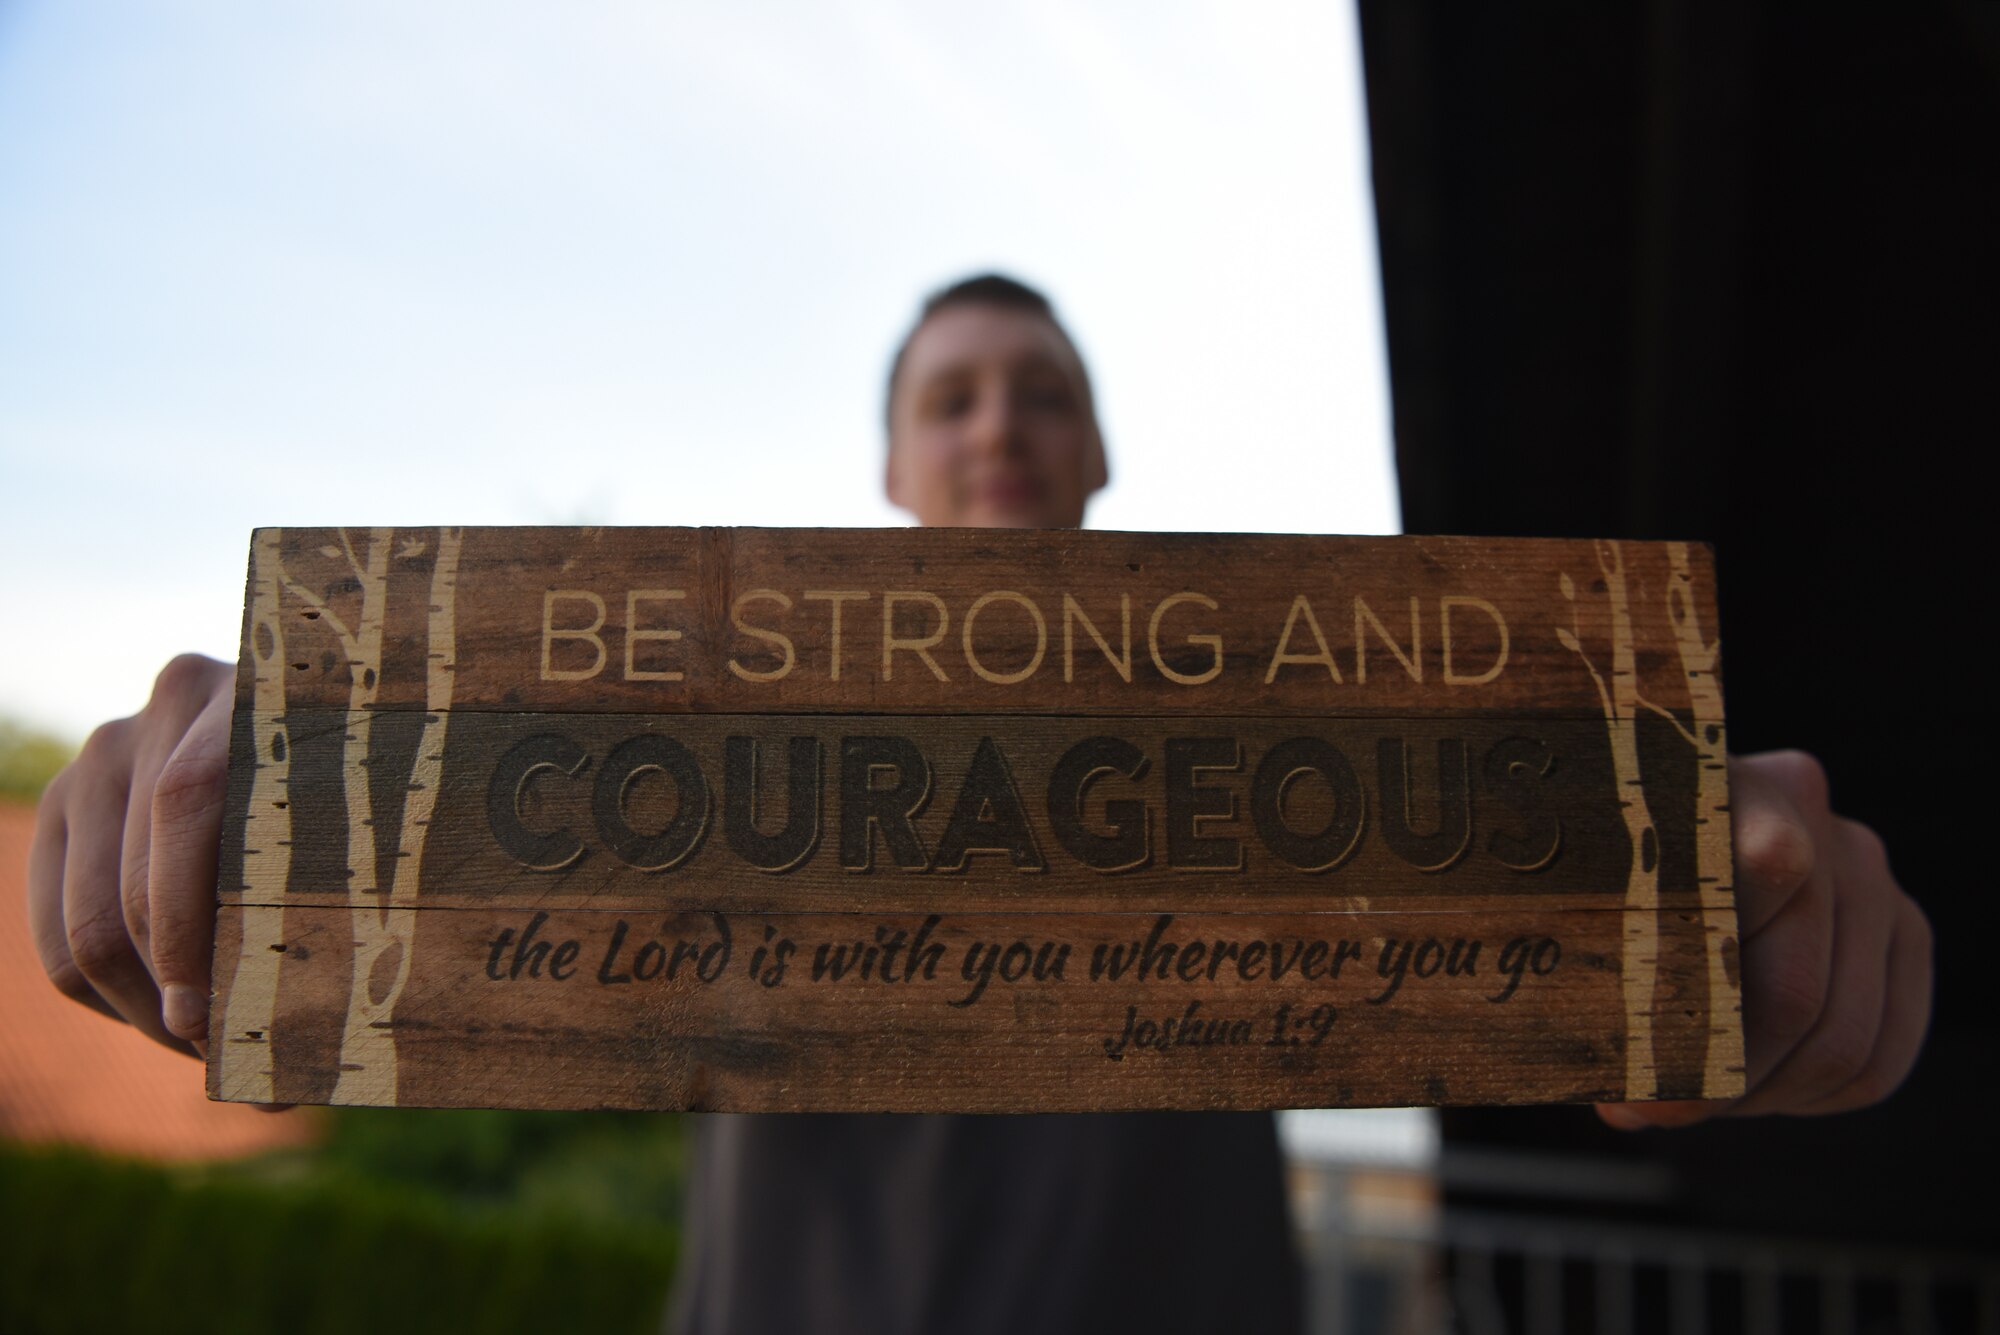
[1048, 1223]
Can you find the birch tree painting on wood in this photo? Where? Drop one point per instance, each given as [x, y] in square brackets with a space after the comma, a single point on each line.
[1607, 621]
[339, 604]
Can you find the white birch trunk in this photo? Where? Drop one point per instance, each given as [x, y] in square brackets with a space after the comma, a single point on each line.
[1640, 966]
[245, 1041]
[1723, 1064]
[364, 666]
[385, 928]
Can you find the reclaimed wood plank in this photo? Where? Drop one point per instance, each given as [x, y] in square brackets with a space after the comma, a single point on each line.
[975, 1012]
[930, 621]
[873, 812]
[1059, 734]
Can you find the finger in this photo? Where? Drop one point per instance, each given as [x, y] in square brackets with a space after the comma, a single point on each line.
[1787, 969]
[93, 916]
[180, 694]
[186, 825]
[133, 858]
[45, 901]
[1840, 1041]
[1776, 852]
[1906, 1017]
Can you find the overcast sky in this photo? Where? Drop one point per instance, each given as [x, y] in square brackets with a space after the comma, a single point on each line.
[375, 263]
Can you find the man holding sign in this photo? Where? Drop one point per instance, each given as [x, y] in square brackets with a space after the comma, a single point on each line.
[946, 1222]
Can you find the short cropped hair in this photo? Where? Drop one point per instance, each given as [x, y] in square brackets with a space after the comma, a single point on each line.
[986, 289]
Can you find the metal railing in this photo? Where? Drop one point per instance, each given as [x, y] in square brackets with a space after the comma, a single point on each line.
[1536, 1275]
[1385, 1256]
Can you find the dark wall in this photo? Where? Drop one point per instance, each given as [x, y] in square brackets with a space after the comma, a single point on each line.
[1728, 273]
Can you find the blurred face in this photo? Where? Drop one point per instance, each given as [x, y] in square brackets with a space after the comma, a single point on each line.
[992, 425]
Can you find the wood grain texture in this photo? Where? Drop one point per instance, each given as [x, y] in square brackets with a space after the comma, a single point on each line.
[936, 621]
[463, 757]
[677, 1011]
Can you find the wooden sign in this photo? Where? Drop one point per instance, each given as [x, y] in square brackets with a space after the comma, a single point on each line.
[970, 820]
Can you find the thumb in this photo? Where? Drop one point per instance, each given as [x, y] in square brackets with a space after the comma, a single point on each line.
[1671, 1112]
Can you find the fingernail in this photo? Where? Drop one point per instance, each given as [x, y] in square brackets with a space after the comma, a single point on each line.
[185, 1011]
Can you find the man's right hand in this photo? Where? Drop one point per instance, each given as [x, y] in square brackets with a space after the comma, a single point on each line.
[121, 877]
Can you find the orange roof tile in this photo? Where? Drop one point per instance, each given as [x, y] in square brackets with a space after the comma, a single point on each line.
[68, 1074]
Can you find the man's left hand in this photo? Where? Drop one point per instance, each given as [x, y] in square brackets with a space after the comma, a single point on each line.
[1836, 959]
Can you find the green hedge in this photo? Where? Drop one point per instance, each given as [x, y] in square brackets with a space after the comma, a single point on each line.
[94, 1244]
[29, 758]
[608, 1167]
